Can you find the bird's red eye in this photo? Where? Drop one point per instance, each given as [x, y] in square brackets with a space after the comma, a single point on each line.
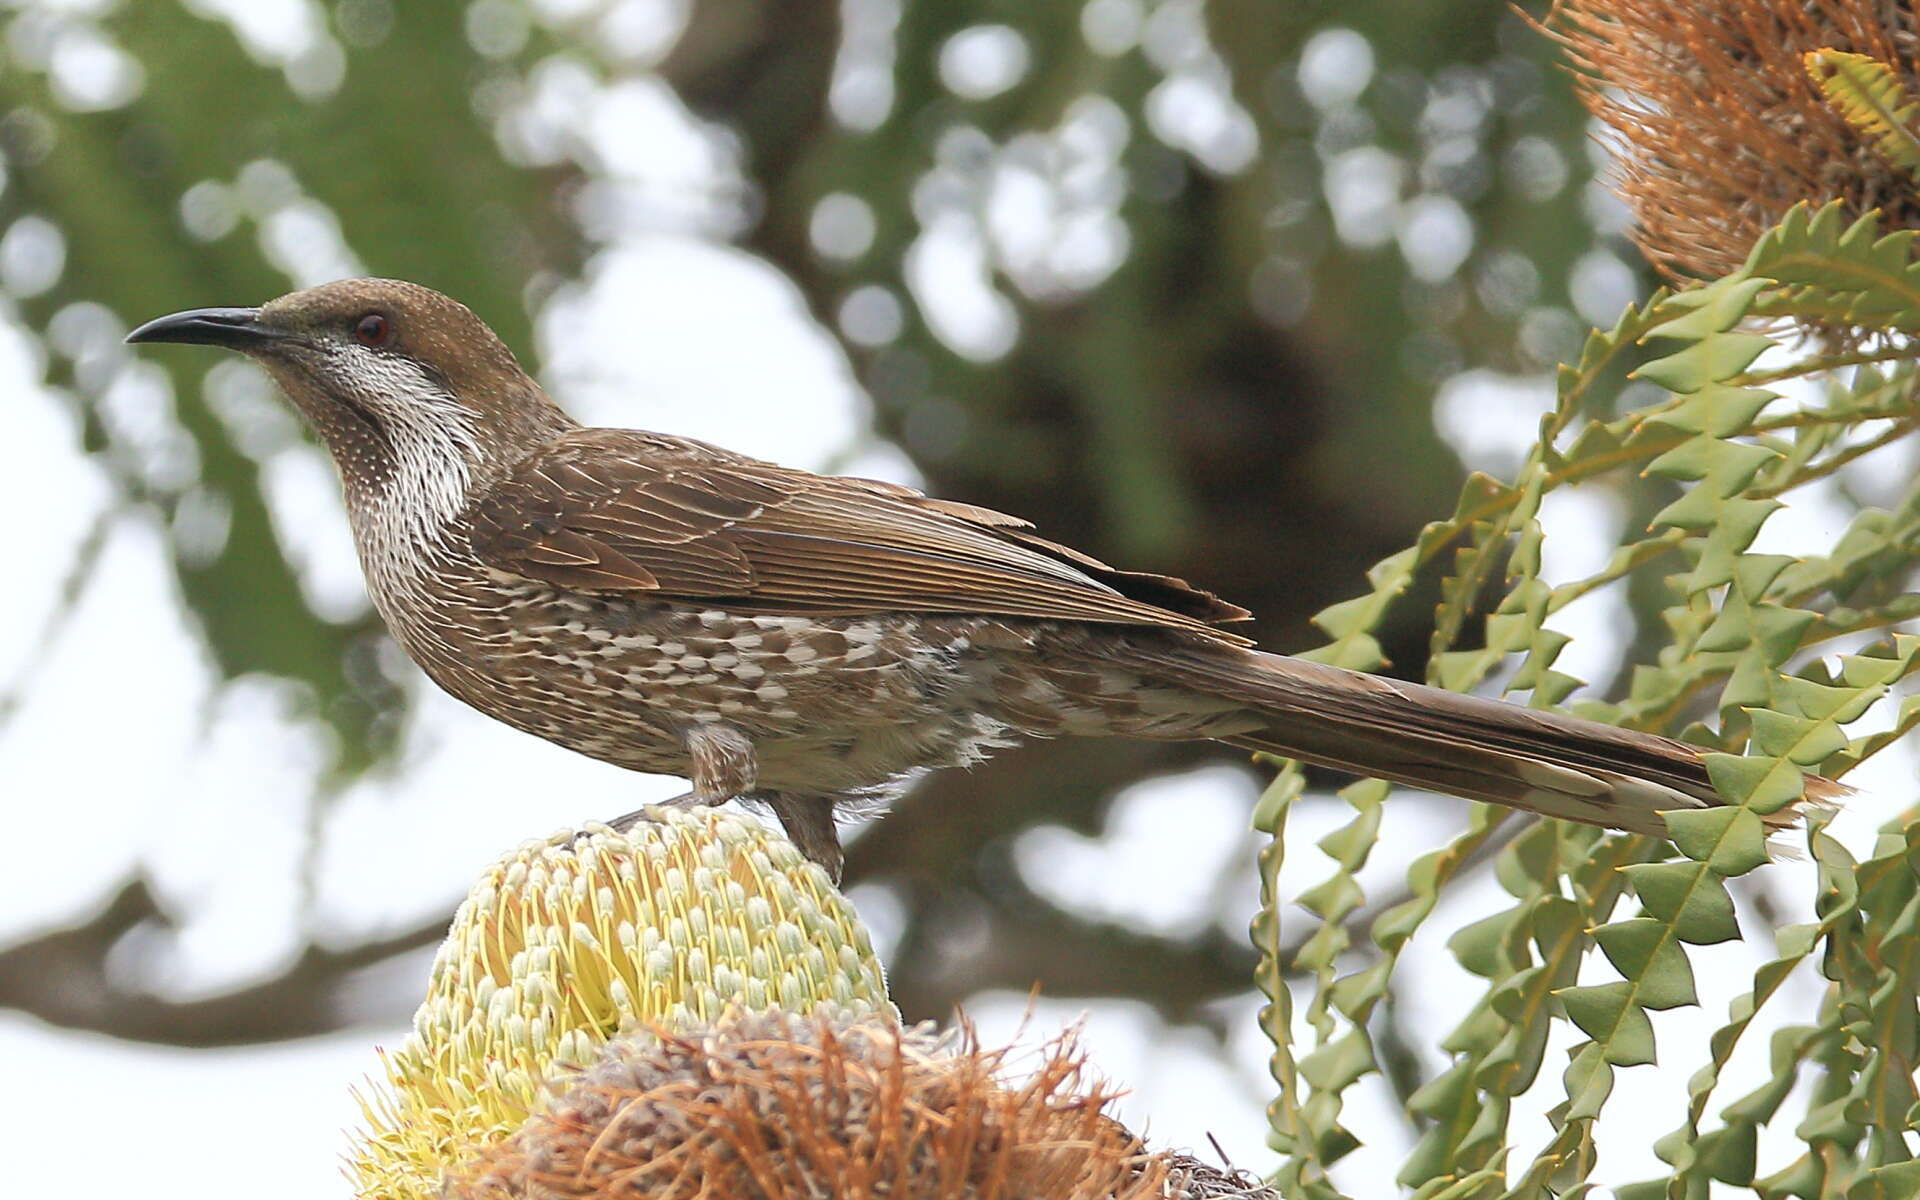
[373, 330]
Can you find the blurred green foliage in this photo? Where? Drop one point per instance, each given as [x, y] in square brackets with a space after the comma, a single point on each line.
[166, 201]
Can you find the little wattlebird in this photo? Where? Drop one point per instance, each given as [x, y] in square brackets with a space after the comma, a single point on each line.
[809, 642]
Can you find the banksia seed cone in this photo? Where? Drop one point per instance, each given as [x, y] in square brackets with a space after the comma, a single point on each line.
[567, 943]
[1718, 127]
[1190, 1179]
[773, 1106]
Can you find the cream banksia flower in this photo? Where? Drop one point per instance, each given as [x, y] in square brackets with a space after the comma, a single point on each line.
[565, 944]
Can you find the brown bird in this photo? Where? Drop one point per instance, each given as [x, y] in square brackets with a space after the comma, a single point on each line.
[810, 642]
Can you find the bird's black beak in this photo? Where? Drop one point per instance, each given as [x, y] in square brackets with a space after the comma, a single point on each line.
[233, 328]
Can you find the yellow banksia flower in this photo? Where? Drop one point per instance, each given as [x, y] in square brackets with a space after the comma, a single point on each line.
[567, 943]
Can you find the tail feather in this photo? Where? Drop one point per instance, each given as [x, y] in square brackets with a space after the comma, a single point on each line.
[1524, 758]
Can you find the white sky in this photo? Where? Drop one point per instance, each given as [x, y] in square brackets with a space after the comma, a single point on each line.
[200, 788]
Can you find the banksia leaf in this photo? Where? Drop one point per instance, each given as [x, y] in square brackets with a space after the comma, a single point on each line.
[1837, 271]
[1688, 897]
[1749, 672]
[1872, 99]
[1730, 840]
[1607, 1014]
[566, 943]
[1641, 950]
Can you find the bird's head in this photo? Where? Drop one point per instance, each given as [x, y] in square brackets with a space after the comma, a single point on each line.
[395, 377]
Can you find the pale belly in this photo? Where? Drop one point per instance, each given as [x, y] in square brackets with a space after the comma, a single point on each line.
[830, 704]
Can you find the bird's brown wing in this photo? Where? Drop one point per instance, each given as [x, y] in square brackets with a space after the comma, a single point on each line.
[612, 510]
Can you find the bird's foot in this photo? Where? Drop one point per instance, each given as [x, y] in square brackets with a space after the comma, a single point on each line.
[625, 822]
[808, 821]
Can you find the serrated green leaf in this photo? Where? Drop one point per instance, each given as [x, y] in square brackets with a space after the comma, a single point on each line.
[1732, 841]
[1443, 1094]
[1355, 995]
[1336, 1065]
[1607, 1014]
[1802, 1177]
[1732, 522]
[1710, 360]
[1513, 1063]
[1729, 1154]
[1350, 844]
[1729, 466]
[1749, 687]
[1834, 271]
[1778, 630]
[1732, 629]
[1760, 1105]
[1595, 440]
[1332, 898]
[1481, 947]
[1880, 665]
[1471, 1186]
[1828, 1122]
[1755, 573]
[1348, 616]
[1796, 739]
[1517, 991]
[1894, 1181]
[1642, 950]
[1763, 785]
[1715, 308]
[1688, 897]
[1717, 410]
[1823, 701]
[1588, 1082]
[1871, 97]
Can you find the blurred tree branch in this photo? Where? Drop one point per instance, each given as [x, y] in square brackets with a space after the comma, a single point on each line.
[62, 978]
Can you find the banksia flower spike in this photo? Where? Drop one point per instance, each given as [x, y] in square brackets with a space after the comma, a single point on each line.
[1722, 115]
[774, 1106]
[567, 943]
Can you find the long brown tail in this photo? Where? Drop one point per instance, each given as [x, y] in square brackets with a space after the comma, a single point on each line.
[1423, 737]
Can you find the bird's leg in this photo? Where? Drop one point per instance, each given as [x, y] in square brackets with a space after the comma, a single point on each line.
[723, 762]
[808, 821]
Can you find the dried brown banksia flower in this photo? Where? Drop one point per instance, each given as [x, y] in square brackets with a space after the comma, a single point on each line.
[567, 943]
[772, 1106]
[1717, 126]
[1190, 1179]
